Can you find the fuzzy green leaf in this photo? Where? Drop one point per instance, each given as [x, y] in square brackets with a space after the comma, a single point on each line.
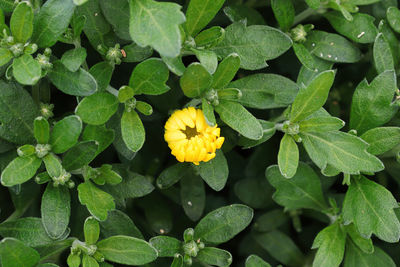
[284, 13]
[288, 156]
[98, 108]
[195, 80]
[26, 70]
[20, 170]
[383, 58]
[132, 129]
[73, 59]
[166, 246]
[21, 22]
[215, 256]
[255, 261]
[14, 253]
[91, 230]
[354, 257]
[215, 172]
[79, 155]
[193, 196]
[65, 134]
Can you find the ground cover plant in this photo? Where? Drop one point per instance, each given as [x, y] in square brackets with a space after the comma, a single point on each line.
[249, 133]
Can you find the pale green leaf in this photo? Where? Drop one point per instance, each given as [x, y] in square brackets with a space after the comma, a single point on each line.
[288, 156]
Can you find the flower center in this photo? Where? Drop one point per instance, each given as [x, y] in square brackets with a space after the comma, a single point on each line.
[190, 132]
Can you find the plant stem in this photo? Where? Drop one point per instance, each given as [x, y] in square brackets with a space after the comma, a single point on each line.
[303, 15]
[112, 90]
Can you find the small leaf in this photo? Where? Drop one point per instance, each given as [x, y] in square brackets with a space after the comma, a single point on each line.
[41, 130]
[136, 53]
[271, 220]
[166, 246]
[102, 73]
[132, 129]
[172, 175]
[65, 134]
[208, 112]
[377, 259]
[52, 21]
[381, 139]
[89, 261]
[207, 58]
[321, 124]
[371, 105]
[21, 22]
[26, 70]
[55, 210]
[117, 14]
[284, 13]
[255, 261]
[330, 243]
[91, 230]
[5, 56]
[370, 207]
[156, 24]
[210, 37]
[79, 155]
[199, 13]
[193, 196]
[118, 223]
[14, 253]
[97, 201]
[79, 83]
[362, 243]
[313, 97]
[20, 170]
[127, 250]
[288, 156]
[100, 134]
[73, 59]
[98, 108]
[361, 29]
[223, 224]
[393, 17]
[254, 44]
[215, 256]
[215, 172]
[149, 77]
[303, 190]
[195, 80]
[383, 58]
[226, 71]
[239, 119]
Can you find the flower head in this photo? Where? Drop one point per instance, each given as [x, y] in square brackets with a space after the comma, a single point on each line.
[190, 138]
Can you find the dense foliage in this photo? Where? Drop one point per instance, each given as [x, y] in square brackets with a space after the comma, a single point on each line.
[190, 133]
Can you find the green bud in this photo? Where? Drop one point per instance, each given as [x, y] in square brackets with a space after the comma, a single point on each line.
[26, 150]
[291, 128]
[212, 97]
[191, 248]
[17, 49]
[299, 33]
[63, 179]
[47, 52]
[125, 93]
[114, 54]
[188, 235]
[73, 260]
[144, 108]
[46, 110]
[44, 61]
[130, 104]
[98, 256]
[42, 178]
[30, 49]
[187, 260]
[42, 150]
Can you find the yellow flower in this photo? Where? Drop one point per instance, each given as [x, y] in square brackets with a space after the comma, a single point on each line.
[190, 138]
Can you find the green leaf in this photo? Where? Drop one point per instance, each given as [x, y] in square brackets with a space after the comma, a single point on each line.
[91, 230]
[55, 210]
[26, 70]
[209, 37]
[178, 261]
[271, 220]
[96, 27]
[171, 175]
[136, 53]
[21, 22]
[20, 170]
[7, 5]
[303, 190]
[199, 13]
[195, 80]
[208, 112]
[304, 56]
[41, 130]
[65, 134]
[117, 14]
[118, 223]
[383, 58]
[79, 83]
[193, 196]
[239, 119]
[79, 155]
[166, 246]
[215, 172]
[28, 230]
[127, 250]
[215, 256]
[313, 97]
[74, 58]
[391, 38]
[52, 21]
[239, 13]
[98, 108]
[281, 247]
[149, 77]
[360, 30]
[17, 113]
[5, 56]
[100, 134]
[371, 105]
[284, 13]
[132, 129]
[321, 124]
[313, 3]
[255, 261]
[288, 156]
[97, 201]
[355, 256]
[88, 261]
[330, 243]
[254, 191]
[53, 165]
[226, 71]
[362, 243]
[223, 224]
[345, 152]
[393, 17]
[102, 73]
[14, 253]
[370, 207]
[254, 44]
[207, 58]
[156, 24]
[381, 139]
[105, 174]
[332, 47]
[265, 90]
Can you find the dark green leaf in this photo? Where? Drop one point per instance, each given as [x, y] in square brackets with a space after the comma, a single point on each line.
[226, 71]
[14, 253]
[136, 53]
[381, 139]
[393, 17]
[117, 14]
[100, 134]
[193, 196]
[132, 130]
[362, 243]
[102, 73]
[354, 256]
[195, 80]
[215, 256]
[288, 156]
[237, 13]
[166, 246]
[79, 155]
[383, 58]
[172, 175]
[65, 134]
[284, 13]
[5, 56]
[118, 223]
[98, 108]
[215, 172]
[199, 13]
[255, 261]
[73, 59]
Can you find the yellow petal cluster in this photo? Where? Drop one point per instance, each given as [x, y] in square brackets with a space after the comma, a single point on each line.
[190, 138]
